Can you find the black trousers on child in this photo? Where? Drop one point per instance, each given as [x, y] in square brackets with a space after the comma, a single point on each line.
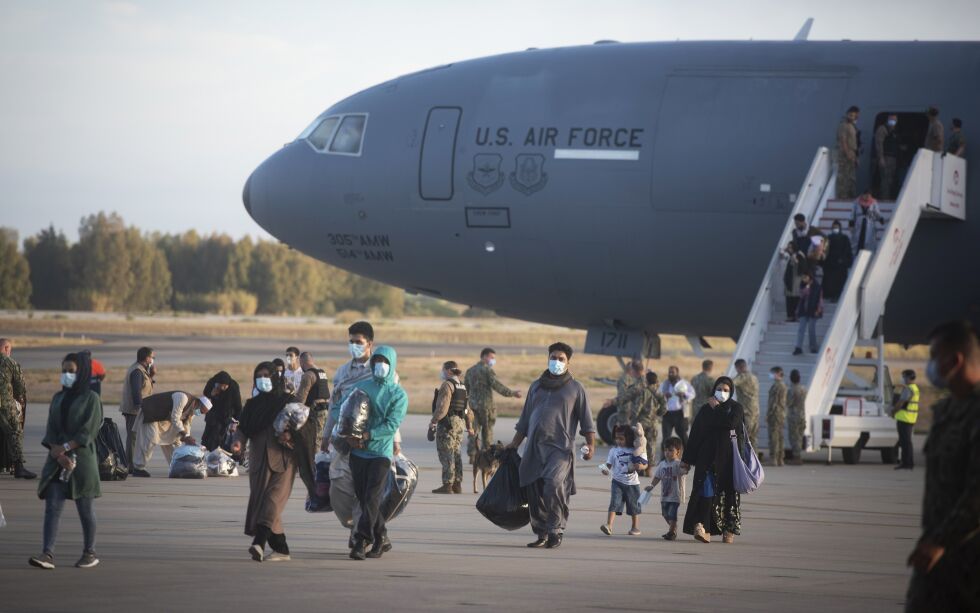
[370, 476]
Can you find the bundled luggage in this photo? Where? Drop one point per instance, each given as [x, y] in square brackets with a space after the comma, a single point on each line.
[402, 479]
[292, 417]
[113, 463]
[354, 413]
[221, 464]
[319, 500]
[189, 462]
[504, 501]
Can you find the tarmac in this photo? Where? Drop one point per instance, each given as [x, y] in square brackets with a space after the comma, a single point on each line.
[814, 538]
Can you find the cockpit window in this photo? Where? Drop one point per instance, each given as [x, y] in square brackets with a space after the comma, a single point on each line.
[349, 136]
[320, 136]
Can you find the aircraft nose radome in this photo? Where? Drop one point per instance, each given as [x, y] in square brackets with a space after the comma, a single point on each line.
[246, 195]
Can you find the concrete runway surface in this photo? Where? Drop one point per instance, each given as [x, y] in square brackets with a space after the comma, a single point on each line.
[815, 538]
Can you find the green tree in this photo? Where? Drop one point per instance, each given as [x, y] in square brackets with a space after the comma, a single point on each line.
[15, 281]
[49, 258]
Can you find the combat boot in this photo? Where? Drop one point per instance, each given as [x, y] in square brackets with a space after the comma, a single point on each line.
[22, 473]
[447, 488]
[457, 487]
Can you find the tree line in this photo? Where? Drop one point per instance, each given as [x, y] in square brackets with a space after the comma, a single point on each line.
[115, 267]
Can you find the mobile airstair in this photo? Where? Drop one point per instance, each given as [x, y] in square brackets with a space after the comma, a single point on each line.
[848, 396]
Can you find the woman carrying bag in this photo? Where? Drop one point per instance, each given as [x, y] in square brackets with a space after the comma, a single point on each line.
[72, 469]
[714, 507]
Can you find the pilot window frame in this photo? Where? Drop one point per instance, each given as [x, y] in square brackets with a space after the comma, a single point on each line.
[329, 142]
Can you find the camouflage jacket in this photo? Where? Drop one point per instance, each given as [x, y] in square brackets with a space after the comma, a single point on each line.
[481, 381]
[11, 383]
[747, 392]
[649, 401]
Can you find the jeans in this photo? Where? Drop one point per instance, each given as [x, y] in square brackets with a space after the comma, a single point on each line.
[54, 502]
[675, 421]
[807, 323]
[627, 496]
[905, 443]
[370, 476]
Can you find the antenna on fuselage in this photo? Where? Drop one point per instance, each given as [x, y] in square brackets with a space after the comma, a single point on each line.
[804, 32]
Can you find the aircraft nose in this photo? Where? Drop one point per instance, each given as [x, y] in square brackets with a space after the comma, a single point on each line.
[246, 196]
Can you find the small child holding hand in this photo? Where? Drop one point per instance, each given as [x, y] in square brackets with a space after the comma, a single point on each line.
[624, 462]
[671, 475]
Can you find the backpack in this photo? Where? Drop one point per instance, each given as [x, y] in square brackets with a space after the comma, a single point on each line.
[113, 463]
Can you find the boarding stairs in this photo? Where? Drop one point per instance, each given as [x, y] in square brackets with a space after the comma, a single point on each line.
[845, 404]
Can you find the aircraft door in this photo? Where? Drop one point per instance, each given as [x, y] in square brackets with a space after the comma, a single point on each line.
[436, 160]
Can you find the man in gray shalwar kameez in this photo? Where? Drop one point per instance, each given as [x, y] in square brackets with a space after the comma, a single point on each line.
[556, 406]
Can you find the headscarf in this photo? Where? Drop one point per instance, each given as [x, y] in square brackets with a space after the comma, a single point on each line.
[83, 383]
[261, 411]
[227, 404]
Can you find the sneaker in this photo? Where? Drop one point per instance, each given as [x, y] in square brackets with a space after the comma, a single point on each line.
[727, 537]
[140, 472]
[605, 529]
[541, 542]
[635, 532]
[701, 535]
[554, 541]
[275, 556]
[258, 553]
[45, 560]
[797, 351]
[447, 488]
[357, 553]
[88, 560]
[670, 536]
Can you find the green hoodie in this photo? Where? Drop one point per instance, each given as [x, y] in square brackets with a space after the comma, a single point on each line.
[389, 404]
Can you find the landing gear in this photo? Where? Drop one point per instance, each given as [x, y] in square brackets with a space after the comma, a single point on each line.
[852, 455]
[889, 455]
[605, 423]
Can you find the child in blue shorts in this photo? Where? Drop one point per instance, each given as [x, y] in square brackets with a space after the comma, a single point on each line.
[623, 461]
[670, 474]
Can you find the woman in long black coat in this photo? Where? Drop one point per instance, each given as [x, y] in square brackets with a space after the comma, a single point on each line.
[837, 263]
[226, 408]
[714, 506]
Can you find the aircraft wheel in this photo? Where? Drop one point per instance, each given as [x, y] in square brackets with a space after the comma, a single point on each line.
[852, 455]
[605, 423]
[889, 455]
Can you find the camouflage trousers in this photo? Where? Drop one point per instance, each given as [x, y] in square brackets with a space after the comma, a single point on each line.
[752, 428]
[484, 421]
[651, 430]
[846, 179]
[776, 440]
[625, 415]
[12, 432]
[797, 426]
[449, 439]
[886, 179]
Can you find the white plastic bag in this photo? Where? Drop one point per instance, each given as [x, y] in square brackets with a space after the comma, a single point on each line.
[3, 520]
[221, 464]
[188, 462]
[291, 417]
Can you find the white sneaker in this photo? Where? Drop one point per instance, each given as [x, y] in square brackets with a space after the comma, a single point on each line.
[605, 529]
[257, 552]
[277, 557]
[701, 535]
[635, 532]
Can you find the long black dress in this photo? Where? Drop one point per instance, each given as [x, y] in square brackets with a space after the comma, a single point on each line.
[226, 406]
[709, 450]
[837, 263]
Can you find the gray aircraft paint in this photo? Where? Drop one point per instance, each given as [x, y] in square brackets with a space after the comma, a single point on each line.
[671, 237]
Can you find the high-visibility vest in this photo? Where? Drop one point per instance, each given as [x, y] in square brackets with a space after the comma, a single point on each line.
[911, 411]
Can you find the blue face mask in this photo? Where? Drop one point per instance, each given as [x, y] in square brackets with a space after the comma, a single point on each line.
[263, 384]
[68, 379]
[381, 370]
[357, 351]
[557, 367]
[934, 376]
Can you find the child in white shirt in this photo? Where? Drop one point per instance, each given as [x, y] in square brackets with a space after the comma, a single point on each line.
[624, 461]
[670, 474]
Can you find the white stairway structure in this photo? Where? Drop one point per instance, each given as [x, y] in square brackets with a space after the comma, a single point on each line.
[845, 405]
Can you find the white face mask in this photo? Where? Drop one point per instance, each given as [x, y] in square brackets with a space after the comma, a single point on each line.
[443, 375]
[836, 230]
[150, 363]
[263, 384]
[557, 367]
[772, 375]
[721, 395]
[891, 123]
[68, 379]
[381, 370]
[492, 362]
[357, 351]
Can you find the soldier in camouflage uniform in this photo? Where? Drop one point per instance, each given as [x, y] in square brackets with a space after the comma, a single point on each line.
[796, 416]
[776, 416]
[747, 392]
[704, 386]
[650, 404]
[628, 404]
[481, 382]
[12, 393]
[449, 418]
[847, 155]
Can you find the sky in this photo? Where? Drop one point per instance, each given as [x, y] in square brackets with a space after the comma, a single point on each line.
[160, 110]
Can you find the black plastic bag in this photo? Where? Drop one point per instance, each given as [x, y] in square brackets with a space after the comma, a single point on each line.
[354, 414]
[113, 463]
[319, 500]
[400, 487]
[504, 501]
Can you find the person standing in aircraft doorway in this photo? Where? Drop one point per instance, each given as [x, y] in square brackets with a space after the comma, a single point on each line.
[935, 137]
[886, 152]
[847, 155]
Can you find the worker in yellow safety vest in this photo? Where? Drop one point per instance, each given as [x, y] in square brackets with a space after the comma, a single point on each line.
[907, 411]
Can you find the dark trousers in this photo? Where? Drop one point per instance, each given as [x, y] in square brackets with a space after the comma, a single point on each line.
[675, 421]
[130, 438]
[54, 503]
[547, 504]
[905, 443]
[791, 303]
[370, 476]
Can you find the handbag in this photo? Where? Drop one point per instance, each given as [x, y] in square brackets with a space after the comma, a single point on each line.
[747, 472]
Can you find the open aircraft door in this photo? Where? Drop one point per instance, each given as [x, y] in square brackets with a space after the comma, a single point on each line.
[436, 161]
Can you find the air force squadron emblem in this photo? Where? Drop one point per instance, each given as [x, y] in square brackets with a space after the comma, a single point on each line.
[486, 175]
[528, 176]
